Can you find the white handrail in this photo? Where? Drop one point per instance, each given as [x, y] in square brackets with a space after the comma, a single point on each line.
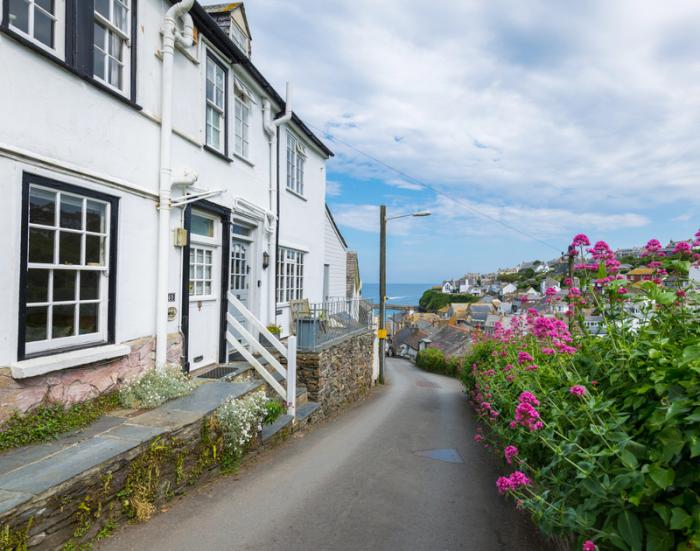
[233, 341]
[250, 318]
[259, 348]
[292, 376]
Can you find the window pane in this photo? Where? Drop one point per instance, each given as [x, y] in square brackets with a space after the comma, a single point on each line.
[64, 285]
[41, 245]
[99, 37]
[69, 248]
[98, 61]
[202, 226]
[88, 319]
[71, 212]
[89, 285]
[43, 28]
[63, 321]
[45, 4]
[37, 319]
[42, 207]
[115, 73]
[38, 285]
[120, 17]
[95, 217]
[19, 14]
[94, 250]
[207, 287]
[198, 288]
[102, 7]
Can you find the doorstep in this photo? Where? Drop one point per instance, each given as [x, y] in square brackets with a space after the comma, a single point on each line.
[27, 473]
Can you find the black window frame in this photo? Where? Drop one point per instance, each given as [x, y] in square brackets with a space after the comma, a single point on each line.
[29, 178]
[215, 59]
[79, 31]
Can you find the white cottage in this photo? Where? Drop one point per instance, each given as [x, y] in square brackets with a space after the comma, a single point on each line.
[154, 184]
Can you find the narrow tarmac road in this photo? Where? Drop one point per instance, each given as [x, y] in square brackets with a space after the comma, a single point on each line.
[356, 483]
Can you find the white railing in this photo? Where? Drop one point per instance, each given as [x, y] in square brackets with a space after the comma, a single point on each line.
[247, 346]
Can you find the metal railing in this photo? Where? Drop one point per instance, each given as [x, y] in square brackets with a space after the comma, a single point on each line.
[322, 323]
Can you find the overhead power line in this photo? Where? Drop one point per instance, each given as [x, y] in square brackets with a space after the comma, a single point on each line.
[431, 188]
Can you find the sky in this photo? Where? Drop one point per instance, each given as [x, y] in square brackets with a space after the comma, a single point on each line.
[528, 122]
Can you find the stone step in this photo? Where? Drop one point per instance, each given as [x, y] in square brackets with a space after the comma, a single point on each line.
[306, 410]
[282, 422]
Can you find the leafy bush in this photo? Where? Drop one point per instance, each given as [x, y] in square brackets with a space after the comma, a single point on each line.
[49, 421]
[155, 388]
[431, 359]
[273, 409]
[241, 420]
[434, 299]
[601, 434]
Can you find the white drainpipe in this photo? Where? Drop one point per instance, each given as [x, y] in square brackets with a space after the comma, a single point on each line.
[171, 35]
[270, 126]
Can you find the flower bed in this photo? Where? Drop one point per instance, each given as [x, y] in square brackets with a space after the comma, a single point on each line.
[600, 435]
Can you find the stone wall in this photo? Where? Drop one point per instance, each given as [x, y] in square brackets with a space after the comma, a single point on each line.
[79, 384]
[338, 374]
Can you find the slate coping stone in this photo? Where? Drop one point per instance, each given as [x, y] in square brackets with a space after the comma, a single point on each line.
[136, 433]
[166, 419]
[208, 397]
[305, 410]
[56, 469]
[10, 500]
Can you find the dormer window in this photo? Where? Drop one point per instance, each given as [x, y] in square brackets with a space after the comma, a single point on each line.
[240, 38]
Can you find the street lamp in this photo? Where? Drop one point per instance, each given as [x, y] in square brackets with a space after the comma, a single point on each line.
[381, 333]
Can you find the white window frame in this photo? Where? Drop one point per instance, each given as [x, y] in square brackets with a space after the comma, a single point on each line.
[242, 116]
[204, 278]
[290, 274]
[59, 26]
[296, 161]
[76, 340]
[211, 106]
[240, 38]
[121, 34]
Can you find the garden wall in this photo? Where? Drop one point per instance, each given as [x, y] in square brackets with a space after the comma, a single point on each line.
[79, 384]
[338, 374]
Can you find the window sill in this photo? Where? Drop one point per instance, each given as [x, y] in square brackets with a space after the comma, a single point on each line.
[61, 63]
[217, 153]
[244, 160]
[297, 195]
[65, 360]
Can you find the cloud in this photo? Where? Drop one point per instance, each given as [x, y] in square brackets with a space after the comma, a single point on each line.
[333, 188]
[681, 218]
[366, 218]
[590, 106]
[403, 184]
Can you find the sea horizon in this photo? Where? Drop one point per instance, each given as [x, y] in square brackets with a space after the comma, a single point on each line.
[404, 294]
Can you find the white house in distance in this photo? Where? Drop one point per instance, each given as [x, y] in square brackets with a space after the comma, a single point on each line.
[137, 193]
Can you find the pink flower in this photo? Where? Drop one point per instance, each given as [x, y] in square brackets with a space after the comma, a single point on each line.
[680, 293]
[574, 292]
[510, 378]
[588, 545]
[528, 398]
[594, 382]
[578, 390]
[622, 291]
[550, 292]
[681, 248]
[581, 239]
[478, 438]
[653, 246]
[523, 299]
[503, 484]
[524, 357]
[510, 452]
[548, 351]
[532, 367]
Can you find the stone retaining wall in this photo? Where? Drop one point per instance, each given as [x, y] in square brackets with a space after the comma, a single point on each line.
[338, 374]
[79, 384]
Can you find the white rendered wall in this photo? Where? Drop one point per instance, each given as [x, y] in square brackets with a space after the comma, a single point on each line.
[336, 257]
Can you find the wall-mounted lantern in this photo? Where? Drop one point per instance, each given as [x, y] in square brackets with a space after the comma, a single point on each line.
[266, 260]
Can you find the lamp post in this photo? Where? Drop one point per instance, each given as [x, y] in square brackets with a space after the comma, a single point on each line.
[381, 333]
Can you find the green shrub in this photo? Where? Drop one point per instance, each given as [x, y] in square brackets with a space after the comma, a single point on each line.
[603, 432]
[155, 388]
[273, 409]
[49, 421]
[434, 299]
[431, 359]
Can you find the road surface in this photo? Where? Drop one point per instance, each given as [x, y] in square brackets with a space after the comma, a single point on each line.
[356, 483]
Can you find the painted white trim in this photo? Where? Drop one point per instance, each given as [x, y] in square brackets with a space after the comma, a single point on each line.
[57, 362]
[71, 169]
[290, 245]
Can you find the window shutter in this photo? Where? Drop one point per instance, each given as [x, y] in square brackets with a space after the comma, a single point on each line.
[80, 20]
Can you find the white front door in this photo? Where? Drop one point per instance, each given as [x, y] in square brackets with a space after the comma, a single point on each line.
[205, 290]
